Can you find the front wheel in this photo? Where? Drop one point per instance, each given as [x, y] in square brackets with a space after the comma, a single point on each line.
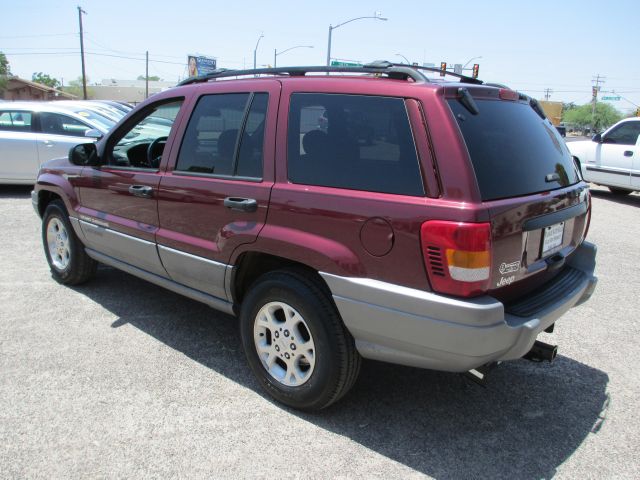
[295, 341]
[65, 254]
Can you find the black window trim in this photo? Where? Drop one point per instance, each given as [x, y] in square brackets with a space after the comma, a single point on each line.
[241, 131]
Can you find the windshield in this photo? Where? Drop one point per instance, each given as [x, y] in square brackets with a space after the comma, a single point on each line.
[96, 119]
[513, 150]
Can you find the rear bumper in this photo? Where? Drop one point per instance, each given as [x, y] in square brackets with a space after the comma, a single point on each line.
[401, 325]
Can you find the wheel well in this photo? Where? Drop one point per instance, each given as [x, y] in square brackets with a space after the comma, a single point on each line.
[45, 197]
[252, 265]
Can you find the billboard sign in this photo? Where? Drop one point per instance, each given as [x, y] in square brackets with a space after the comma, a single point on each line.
[200, 65]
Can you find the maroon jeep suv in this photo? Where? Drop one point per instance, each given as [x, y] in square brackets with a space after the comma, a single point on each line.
[379, 214]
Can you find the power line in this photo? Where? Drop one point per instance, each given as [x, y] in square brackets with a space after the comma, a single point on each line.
[40, 35]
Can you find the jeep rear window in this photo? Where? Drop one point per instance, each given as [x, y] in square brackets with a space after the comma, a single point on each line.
[356, 142]
[513, 150]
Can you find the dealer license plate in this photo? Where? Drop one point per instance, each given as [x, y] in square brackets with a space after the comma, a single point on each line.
[552, 238]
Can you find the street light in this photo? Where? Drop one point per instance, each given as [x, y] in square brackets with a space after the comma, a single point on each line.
[470, 60]
[331, 28]
[405, 58]
[255, 50]
[275, 52]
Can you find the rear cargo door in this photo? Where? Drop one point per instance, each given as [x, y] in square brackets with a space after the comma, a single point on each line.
[527, 180]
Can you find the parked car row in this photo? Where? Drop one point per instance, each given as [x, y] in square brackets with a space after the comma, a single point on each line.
[33, 132]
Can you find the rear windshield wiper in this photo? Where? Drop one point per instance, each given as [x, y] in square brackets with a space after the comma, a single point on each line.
[467, 101]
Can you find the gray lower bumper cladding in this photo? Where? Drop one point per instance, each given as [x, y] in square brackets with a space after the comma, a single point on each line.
[412, 327]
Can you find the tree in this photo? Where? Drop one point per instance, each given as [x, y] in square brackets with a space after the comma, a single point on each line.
[45, 79]
[75, 88]
[605, 116]
[5, 71]
[152, 78]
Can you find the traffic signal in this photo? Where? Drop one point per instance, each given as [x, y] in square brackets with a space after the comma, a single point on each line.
[476, 69]
[594, 91]
[638, 112]
[443, 68]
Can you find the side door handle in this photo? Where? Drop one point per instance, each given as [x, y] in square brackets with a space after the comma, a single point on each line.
[628, 153]
[241, 204]
[143, 191]
[48, 143]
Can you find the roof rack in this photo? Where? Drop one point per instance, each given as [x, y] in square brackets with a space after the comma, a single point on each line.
[398, 71]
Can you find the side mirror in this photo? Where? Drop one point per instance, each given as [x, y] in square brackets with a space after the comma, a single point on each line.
[84, 155]
[93, 133]
[597, 138]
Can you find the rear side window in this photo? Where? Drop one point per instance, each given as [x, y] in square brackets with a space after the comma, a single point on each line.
[513, 150]
[225, 136]
[352, 141]
[16, 121]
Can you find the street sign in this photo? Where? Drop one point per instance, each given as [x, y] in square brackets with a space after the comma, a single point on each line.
[336, 63]
[457, 68]
[613, 99]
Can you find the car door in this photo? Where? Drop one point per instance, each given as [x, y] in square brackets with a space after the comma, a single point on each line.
[215, 194]
[119, 212]
[18, 147]
[57, 133]
[614, 156]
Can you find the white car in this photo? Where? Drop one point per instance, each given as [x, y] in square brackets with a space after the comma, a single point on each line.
[612, 158]
[33, 132]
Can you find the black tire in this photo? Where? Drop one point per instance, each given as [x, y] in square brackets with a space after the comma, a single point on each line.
[77, 267]
[336, 360]
[619, 191]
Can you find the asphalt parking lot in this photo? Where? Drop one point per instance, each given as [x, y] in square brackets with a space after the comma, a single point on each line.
[119, 378]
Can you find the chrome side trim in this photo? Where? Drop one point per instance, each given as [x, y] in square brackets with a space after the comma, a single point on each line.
[194, 271]
[129, 249]
[210, 300]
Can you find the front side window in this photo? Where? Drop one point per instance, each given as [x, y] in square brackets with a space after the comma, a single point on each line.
[16, 121]
[625, 134]
[142, 145]
[225, 136]
[58, 124]
[352, 141]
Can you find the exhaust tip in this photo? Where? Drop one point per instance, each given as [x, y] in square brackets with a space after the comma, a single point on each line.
[541, 352]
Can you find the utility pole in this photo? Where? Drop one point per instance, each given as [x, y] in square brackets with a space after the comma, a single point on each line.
[84, 77]
[547, 94]
[597, 80]
[146, 78]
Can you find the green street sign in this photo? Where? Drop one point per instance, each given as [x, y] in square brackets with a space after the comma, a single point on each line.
[335, 63]
[611, 98]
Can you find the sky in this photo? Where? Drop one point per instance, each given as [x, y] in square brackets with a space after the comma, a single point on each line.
[531, 46]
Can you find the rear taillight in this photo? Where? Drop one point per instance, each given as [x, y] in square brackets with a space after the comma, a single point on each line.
[457, 256]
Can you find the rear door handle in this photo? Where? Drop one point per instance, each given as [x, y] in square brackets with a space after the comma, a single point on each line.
[628, 153]
[241, 204]
[143, 191]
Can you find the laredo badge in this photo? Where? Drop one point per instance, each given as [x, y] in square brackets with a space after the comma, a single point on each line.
[509, 267]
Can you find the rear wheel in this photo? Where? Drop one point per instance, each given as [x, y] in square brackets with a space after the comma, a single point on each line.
[619, 191]
[295, 341]
[65, 254]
